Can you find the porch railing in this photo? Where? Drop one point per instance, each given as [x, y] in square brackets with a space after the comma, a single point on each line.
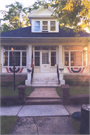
[58, 74]
[32, 74]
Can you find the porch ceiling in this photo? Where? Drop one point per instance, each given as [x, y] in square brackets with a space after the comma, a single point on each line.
[44, 41]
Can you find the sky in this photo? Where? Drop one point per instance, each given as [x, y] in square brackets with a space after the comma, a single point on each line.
[25, 3]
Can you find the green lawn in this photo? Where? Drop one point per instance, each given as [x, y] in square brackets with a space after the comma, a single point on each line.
[76, 125]
[75, 90]
[9, 91]
[7, 124]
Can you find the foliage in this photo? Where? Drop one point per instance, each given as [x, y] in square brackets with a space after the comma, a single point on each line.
[76, 82]
[11, 83]
[78, 90]
[17, 16]
[9, 91]
[75, 90]
[76, 125]
[59, 91]
[69, 81]
[71, 12]
[7, 124]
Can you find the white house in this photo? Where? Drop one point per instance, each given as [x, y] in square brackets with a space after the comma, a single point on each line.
[43, 46]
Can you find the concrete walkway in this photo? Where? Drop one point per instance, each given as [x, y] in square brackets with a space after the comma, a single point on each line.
[42, 119]
[44, 93]
[43, 126]
[40, 110]
[34, 110]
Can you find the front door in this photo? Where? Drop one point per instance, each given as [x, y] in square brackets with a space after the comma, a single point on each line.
[45, 67]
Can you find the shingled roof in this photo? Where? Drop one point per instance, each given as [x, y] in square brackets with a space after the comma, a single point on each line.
[26, 32]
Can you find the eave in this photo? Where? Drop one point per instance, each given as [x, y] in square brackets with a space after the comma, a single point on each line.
[44, 41]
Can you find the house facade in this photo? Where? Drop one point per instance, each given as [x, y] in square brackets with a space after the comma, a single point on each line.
[45, 48]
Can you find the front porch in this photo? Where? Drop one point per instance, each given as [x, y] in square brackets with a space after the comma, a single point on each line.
[42, 66]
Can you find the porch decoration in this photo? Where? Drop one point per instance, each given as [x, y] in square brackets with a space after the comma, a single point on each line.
[17, 70]
[29, 70]
[76, 70]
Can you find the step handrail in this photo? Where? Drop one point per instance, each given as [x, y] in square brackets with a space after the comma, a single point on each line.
[32, 73]
[58, 74]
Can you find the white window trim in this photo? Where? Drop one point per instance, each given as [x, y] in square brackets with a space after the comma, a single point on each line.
[45, 25]
[41, 30]
[50, 26]
[35, 26]
[20, 57]
[41, 56]
[69, 51]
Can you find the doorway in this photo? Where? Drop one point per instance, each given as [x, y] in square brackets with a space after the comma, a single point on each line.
[45, 61]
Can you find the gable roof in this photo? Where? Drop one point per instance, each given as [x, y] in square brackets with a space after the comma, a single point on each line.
[26, 32]
[41, 12]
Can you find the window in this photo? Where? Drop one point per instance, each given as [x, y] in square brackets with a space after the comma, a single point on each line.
[23, 58]
[45, 48]
[66, 58]
[75, 56]
[84, 58]
[14, 57]
[37, 58]
[5, 59]
[53, 58]
[37, 26]
[14, 54]
[52, 25]
[45, 58]
[45, 26]
[76, 59]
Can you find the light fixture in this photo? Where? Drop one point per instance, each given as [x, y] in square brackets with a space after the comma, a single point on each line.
[12, 49]
[85, 48]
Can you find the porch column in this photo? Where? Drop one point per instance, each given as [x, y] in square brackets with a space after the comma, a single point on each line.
[29, 69]
[60, 57]
[0, 60]
[89, 56]
[61, 65]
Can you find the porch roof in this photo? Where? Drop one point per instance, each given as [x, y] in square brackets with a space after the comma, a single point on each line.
[26, 32]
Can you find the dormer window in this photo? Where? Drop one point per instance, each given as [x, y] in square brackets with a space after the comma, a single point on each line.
[52, 25]
[44, 25]
[37, 26]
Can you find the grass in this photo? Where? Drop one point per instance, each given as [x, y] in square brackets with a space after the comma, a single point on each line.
[7, 124]
[75, 90]
[76, 125]
[9, 91]
[59, 91]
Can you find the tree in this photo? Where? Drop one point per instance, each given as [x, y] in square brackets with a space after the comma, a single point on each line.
[71, 12]
[17, 15]
[68, 12]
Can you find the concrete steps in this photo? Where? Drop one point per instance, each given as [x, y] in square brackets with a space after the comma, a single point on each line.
[43, 101]
[45, 79]
[43, 84]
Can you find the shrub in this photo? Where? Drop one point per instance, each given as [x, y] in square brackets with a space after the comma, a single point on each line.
[69, 81]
